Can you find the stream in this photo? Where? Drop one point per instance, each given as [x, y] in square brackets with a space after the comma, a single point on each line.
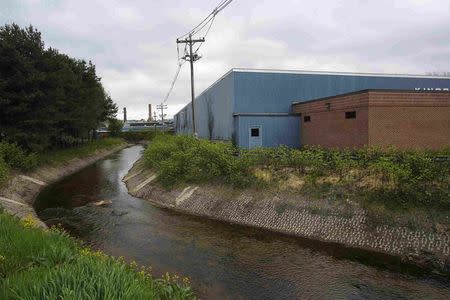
[223, 261]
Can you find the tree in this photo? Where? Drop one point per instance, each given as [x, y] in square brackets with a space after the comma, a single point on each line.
[47, 99]
[115, 127]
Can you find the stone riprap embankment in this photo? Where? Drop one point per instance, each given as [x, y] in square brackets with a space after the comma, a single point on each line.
[293, 214]
[19, 193]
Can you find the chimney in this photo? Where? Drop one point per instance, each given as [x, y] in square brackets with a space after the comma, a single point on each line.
[150, 118]
[124, 114]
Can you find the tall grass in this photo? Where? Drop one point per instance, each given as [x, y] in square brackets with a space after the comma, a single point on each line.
[63, 155]
[144, 135]
[12, 157]
[398, 178]
[36, 264]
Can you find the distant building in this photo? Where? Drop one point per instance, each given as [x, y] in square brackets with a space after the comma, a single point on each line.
[253, 108]
[404, 119]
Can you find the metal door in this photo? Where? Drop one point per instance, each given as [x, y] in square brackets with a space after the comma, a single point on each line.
[254, 137]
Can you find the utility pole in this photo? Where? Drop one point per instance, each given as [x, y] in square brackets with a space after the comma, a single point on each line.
[162, 107]
[192, 57]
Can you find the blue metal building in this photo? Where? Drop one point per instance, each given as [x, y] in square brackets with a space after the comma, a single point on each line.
[253, 107]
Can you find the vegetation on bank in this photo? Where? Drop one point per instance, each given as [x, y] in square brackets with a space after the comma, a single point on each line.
[382, 179]
[13, 157]
[37, 264]
[144, 135]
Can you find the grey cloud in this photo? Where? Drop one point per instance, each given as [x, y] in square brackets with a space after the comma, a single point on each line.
[133, 42]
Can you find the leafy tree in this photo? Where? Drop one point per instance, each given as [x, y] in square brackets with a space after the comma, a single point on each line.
[115, 127]
[47, 99]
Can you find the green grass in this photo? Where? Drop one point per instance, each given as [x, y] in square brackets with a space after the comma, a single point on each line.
[37, 264]
[63, 155]
[12, 157]
[144, 135]
[382, 180]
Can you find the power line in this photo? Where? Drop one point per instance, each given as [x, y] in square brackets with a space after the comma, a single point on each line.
[192, 56]
[206, 34]
[202, 24]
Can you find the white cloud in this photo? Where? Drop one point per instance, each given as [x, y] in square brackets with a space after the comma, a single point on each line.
[133, 45]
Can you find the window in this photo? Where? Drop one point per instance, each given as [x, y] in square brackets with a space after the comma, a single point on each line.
[350, 114]
[255, 132]
[307, 119]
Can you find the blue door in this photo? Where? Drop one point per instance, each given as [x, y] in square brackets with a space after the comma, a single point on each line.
[255, 137]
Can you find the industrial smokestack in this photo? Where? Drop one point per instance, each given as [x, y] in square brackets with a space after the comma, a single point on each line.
[150, 117]
[124, 114]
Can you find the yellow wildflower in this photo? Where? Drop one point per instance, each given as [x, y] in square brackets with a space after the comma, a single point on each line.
[29, 221]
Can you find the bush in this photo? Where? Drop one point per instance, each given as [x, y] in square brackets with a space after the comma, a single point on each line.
[147, 135]
[115, 127]
[179, 158]
[16, 158]
[4, 170]
[397, 177]
[61, 156]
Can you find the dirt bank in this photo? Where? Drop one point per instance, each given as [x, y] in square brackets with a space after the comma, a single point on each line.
[18, 195]
[293, 214]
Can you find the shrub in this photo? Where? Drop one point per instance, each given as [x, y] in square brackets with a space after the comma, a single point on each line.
[178, 158]
[4, 170]
[147, 135]
[16, 158]
[398, 177]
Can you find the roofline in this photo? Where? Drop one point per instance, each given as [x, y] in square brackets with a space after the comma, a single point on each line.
[207, 89]
[370, 91]
[261, 114]
[279, 71]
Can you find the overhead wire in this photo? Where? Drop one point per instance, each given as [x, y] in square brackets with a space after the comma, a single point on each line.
[208, 20]
[205, 21]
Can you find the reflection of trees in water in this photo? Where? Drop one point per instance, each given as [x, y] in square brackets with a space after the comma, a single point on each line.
[80, 189]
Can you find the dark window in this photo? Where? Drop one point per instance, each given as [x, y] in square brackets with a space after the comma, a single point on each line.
[307, 119]
[255, 132]
[350, 114]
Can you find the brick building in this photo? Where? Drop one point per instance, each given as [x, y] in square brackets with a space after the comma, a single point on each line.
[404, 119]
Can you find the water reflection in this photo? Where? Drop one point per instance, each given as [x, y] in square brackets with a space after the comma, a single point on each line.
[223, 261]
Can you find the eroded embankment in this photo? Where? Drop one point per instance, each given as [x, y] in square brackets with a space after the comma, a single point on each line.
[293, 214]
[18, 195]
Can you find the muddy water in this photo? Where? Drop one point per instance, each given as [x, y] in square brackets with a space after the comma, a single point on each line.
[223, 261]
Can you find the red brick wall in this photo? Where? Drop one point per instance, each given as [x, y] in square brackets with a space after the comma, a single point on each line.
[329, 127]
[401, 119]
[409, 120]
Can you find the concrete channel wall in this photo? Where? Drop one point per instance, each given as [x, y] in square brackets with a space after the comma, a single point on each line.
[294, 215]
[18, 195]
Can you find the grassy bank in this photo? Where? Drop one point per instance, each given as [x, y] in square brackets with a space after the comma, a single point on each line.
[63, 155]
[12, 157]
[144, 135]
[36, 264]
[410, 187]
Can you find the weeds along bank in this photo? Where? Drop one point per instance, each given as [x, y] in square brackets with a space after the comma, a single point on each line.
[48, 264]
[391, 180]
[391, 201]
[23, 175]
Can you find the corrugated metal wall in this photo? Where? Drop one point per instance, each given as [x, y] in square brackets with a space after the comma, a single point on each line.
[274, 92]
[241, 92]
[213, 112]
[275, 130]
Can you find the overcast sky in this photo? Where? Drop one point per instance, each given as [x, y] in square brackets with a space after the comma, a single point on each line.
[132, 42]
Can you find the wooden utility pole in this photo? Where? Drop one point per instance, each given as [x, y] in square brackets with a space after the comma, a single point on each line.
[192, 57]
[162, 107]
